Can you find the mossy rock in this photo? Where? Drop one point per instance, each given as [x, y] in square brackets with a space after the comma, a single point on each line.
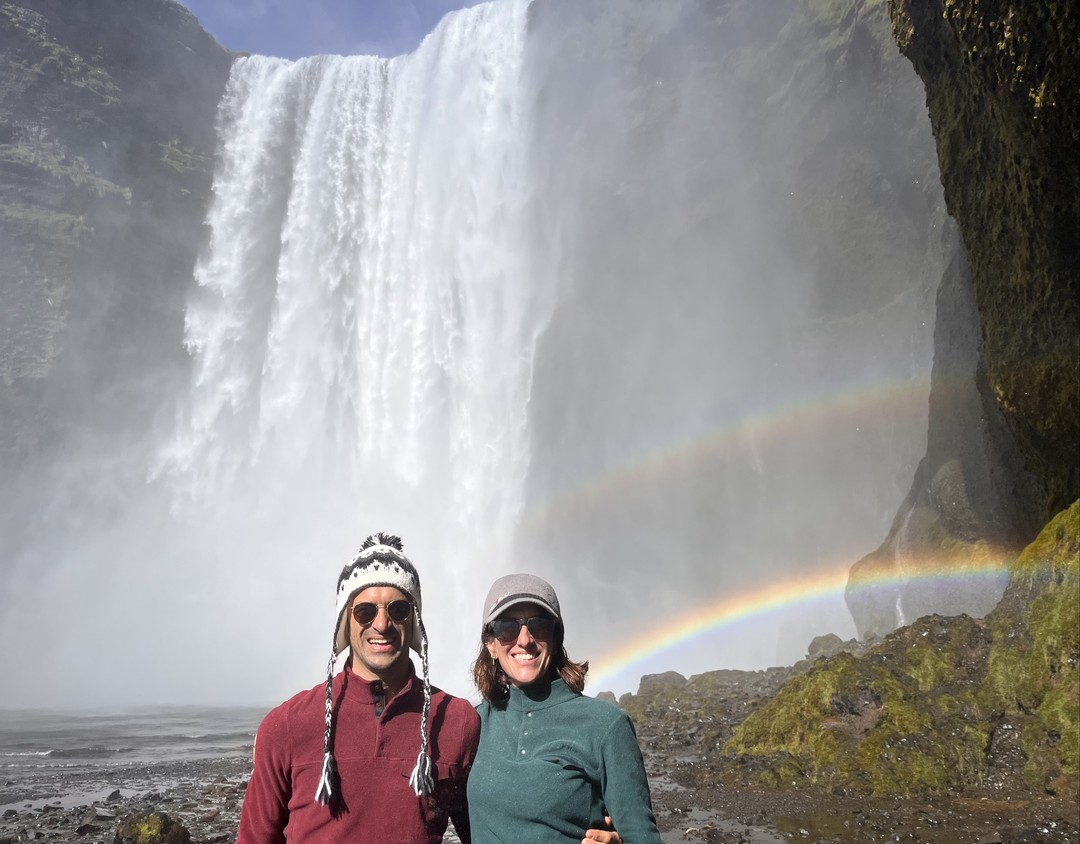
[1034, 664]
[151, 828]
[893, 722]
[921, 713]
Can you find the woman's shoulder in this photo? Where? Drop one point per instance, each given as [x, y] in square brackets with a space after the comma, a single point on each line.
[598, 710]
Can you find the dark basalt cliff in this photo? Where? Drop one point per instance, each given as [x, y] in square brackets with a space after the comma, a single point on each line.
[1003, 453]
[1003, 91]
[106, 148]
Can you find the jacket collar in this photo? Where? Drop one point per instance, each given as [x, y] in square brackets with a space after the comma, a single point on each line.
[539, 695]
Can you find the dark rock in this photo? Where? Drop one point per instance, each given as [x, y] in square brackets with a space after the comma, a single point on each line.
[651, 683]
[1001, 87]
[828, 645]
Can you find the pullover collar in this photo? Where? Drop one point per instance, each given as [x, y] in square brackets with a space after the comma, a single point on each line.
[539, 695]
[373, 692]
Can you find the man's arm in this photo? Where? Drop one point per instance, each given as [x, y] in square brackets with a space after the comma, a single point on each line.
[459, 807]
[265, 813]
[607, 835]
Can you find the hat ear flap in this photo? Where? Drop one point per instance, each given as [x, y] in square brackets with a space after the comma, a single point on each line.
[341, 638]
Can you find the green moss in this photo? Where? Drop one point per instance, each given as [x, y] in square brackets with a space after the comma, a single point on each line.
[1034, 663]
[892, 723]
[55, 59]
[148, 828]
[49, 157]
[181, 159]
[32, 221]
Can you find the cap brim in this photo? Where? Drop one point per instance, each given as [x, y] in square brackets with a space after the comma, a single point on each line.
[517, 601]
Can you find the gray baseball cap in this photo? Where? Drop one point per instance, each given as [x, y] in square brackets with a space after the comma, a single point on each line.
[516, 589]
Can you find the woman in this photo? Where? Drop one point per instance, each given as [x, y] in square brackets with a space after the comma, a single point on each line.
[552, 763]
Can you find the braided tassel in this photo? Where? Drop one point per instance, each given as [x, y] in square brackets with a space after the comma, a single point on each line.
[329, 770]
[421, 775]
[326, 782]
[421, 779]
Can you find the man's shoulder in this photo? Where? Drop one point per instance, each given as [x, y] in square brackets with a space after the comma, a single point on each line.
[459, 706]
[300, 703]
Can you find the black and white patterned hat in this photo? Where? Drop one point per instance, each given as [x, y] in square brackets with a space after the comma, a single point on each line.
[380, 562]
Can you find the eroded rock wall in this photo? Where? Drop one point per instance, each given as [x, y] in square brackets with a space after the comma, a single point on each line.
[1003, 449]
[106, 150]
[1003, 91]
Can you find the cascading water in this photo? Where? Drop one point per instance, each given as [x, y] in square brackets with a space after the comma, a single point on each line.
[364, 324]
[363, 312]
[576, 287]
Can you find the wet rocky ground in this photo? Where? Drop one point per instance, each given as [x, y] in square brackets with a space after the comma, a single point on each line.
[680, 738]
[682, 725]
[210, 811]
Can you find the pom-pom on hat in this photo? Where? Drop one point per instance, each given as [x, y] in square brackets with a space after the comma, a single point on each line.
[380, 562]
[516, 589]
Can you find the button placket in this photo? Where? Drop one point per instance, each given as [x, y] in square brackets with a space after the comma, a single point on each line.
[525, 733]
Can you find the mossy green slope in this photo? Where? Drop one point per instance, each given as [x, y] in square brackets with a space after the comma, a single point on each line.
[1034, 665]
[929, 710]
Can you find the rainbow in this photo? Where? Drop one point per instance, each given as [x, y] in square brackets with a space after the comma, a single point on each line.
[850, 409]
[830, 583]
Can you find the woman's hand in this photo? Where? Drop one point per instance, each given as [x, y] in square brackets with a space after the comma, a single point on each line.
[605, 836]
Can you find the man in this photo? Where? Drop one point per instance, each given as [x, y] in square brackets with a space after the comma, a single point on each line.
[375, 755]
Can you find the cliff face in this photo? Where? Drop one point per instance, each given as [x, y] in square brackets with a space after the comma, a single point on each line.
[106, 147]
[1001, 88]
[1002, 451]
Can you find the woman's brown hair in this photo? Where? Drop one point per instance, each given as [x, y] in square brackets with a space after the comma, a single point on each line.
[493, 684]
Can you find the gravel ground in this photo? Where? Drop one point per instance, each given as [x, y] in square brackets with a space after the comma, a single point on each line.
[205, 796]
[207, 799]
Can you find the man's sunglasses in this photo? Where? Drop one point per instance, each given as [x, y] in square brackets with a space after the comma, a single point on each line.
[506, 630]
[365, 612]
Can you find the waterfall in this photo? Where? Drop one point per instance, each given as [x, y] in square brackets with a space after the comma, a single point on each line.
[364, 316]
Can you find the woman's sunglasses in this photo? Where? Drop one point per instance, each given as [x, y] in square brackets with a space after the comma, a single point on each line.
[506, 630]
[365, 612]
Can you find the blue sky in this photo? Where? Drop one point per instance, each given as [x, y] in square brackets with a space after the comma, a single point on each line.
[297, 28]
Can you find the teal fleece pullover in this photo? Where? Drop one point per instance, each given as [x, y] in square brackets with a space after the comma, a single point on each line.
[551, 764]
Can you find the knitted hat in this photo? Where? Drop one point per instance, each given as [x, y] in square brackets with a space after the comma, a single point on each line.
[380, 562]
[516, 589]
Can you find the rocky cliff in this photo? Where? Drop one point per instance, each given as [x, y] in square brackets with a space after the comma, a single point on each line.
[106, 149]
[1002, 82]
[1003, 452]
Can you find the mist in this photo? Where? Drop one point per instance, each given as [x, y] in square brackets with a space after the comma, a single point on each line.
[639, 297]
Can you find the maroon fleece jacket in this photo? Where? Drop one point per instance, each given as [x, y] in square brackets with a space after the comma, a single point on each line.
[375, 746]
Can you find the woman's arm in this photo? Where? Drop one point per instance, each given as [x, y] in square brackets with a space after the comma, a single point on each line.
[625, 785]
